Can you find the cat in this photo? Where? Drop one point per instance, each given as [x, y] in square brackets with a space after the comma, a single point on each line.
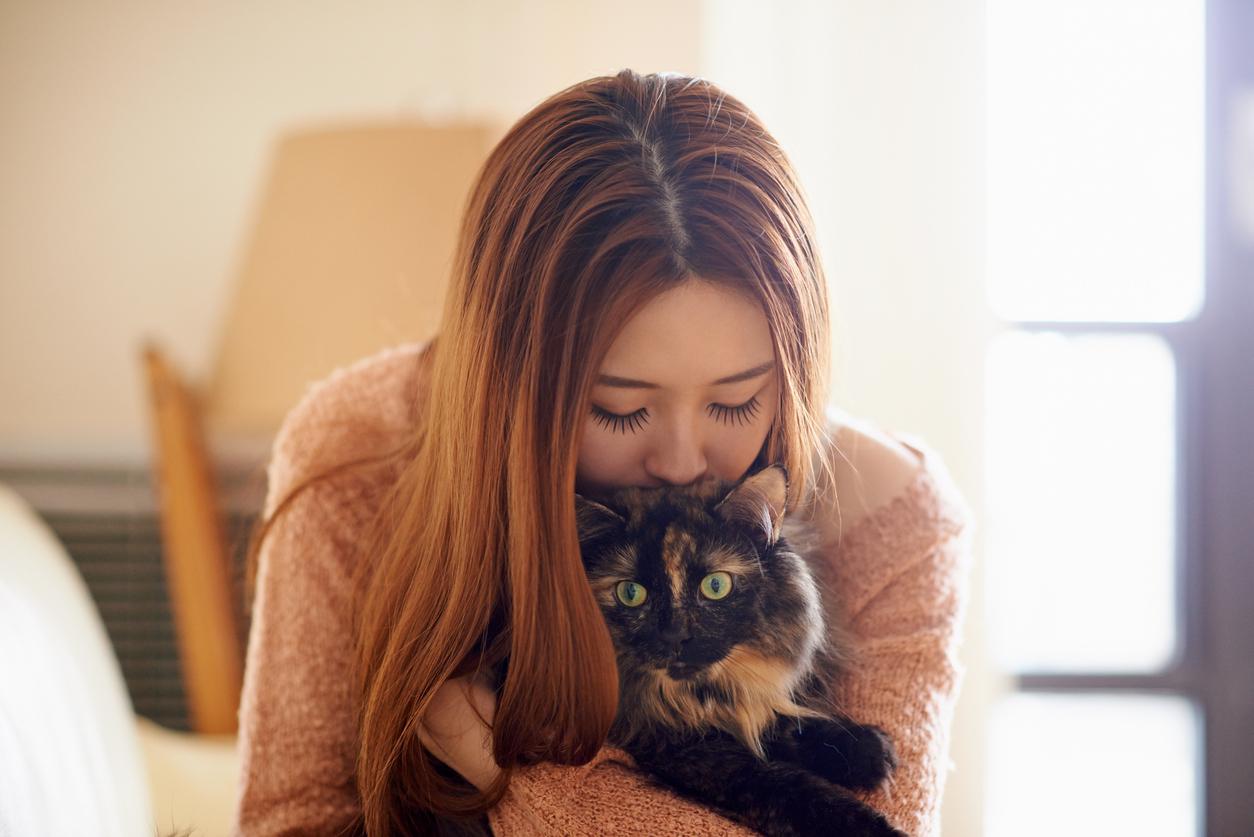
[725, 654]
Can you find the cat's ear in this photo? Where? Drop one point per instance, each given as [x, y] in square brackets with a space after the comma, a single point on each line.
[758, 501]
[595, 518]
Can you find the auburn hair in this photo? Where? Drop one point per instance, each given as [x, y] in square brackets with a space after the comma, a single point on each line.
[604, 195]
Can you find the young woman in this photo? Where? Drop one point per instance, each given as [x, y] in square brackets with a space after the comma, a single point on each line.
[636, 299]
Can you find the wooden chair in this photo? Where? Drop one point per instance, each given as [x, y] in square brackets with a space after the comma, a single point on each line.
[348, 254]
[195, 555]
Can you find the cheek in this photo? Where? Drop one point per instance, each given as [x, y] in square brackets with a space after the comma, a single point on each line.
[605, 456]
[732, 450]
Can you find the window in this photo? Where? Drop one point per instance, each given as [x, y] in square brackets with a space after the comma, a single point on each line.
[1120, 409]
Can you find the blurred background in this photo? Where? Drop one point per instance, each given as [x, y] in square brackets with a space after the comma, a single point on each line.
[1038, 222]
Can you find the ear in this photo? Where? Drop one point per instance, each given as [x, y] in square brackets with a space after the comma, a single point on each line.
[758, 502]
[595, 519]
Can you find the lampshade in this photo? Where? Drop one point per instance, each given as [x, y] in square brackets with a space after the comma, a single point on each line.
[350, 252]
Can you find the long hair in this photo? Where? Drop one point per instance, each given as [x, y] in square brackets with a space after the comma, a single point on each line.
[604, 195]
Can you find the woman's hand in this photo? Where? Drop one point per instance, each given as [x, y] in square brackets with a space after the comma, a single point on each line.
[454, 733]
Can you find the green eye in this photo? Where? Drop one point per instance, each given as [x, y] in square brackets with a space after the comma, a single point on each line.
[716, 585]
[630, 593]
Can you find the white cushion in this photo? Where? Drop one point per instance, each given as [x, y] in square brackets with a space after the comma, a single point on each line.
[193, 779]
[70, 759]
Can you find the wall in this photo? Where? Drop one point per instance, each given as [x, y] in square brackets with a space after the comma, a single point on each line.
[135, 140]
[881, 108]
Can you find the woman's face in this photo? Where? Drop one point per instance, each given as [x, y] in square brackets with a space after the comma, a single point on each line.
[659, 414]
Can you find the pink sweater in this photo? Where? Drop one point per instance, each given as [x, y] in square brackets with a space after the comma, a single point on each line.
[902, 571]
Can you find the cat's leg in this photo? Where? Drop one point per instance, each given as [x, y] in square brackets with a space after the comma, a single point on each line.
[781, 799]
[840, 750]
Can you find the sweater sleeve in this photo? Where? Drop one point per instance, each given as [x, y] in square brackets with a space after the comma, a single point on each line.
[297, 740]
[296, 734]
[608, 795]
[901, 573]
[901, 579]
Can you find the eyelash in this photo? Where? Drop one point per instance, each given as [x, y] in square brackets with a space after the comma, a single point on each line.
[620, 424]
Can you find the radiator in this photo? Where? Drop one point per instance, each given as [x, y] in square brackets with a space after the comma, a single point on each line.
[108, 521]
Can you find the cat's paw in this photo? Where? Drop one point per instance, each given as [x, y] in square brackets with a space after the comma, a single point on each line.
[844, 816]
[874, 826]
[859, 756]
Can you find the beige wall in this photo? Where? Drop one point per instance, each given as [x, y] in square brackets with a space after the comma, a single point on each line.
[880, 105]
[136, 134]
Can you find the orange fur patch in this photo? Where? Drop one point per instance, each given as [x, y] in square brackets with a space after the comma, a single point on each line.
[761, 689]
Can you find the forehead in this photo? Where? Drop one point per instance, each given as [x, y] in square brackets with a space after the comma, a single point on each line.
[690, 335]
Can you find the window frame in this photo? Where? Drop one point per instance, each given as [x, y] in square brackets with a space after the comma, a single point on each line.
[1214, 550]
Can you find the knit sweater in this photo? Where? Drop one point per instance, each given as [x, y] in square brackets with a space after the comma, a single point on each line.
[901, 571]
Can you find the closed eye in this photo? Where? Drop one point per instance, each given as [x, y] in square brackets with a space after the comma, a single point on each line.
[741, 414]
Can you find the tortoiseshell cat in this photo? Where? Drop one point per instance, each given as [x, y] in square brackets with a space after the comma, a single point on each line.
[724, 655]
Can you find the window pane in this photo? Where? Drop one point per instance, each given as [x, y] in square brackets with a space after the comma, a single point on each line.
[1092, 764]
[1095, 119]
[1080, 495]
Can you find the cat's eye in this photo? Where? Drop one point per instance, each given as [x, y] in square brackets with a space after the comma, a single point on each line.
[716, 585]
[741, 414]
[630, 593]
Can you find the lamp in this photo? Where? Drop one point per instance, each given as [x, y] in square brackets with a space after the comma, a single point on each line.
[349, 253]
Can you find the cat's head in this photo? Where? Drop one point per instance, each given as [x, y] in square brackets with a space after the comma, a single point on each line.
[697, 584]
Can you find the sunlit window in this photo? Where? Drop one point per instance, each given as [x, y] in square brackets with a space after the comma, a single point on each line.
[1096, 115]
[1095, 167]
[1092, 764]
[1080, 442]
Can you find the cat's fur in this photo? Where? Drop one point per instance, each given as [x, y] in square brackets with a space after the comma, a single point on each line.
[724, 700]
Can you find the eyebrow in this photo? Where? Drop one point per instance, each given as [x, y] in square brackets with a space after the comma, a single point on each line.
[632, 383]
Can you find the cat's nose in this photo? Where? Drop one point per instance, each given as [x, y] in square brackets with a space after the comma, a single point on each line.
[676, 632]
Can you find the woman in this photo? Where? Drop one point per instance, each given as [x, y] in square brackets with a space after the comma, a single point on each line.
[630, 242]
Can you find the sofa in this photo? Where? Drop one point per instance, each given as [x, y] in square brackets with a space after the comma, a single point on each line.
[74, 757]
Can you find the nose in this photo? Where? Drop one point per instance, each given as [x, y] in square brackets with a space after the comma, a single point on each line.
[678, 458]
[676, 632]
